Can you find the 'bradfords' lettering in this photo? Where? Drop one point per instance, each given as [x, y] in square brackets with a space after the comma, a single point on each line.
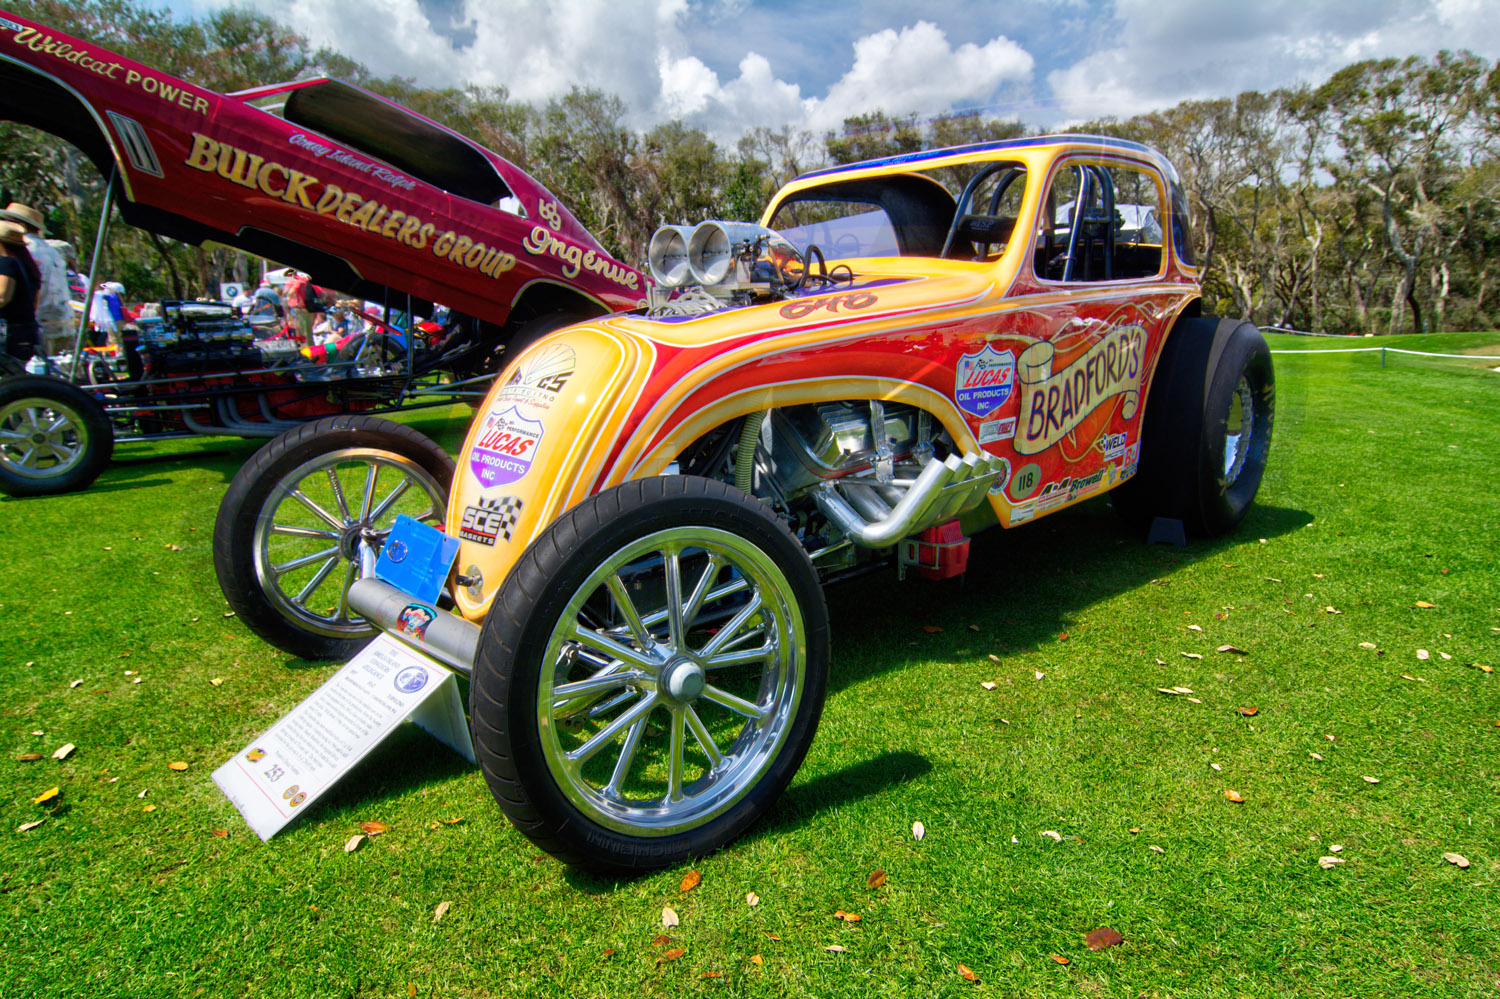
[1054, 404]
[309, 193]
[31, 38]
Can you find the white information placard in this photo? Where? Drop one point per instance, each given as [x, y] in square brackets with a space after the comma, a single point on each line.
[279, 775]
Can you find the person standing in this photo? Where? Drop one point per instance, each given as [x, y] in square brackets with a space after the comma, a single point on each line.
[295, 291]
[53, 313]
[19, 281]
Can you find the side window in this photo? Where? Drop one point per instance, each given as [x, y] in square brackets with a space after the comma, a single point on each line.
[1100, 223]
[989, 208]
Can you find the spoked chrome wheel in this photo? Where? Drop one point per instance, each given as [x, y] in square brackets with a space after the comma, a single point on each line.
[53, 436]
[303, 517]
[1239, 430]
[669, 680]
[41, 438]
[650, 674]
[320, 520]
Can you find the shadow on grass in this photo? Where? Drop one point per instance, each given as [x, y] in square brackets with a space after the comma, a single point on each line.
[797, 806]
[1023, 588]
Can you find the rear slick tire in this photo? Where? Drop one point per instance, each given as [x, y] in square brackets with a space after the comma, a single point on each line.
[650, 675]
[1207, 429]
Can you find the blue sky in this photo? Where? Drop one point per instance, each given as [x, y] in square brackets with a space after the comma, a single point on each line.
[728, 65]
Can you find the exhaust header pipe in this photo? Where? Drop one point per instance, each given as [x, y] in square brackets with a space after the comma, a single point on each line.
[943, 490]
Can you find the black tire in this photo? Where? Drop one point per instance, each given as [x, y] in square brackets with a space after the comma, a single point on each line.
[54, 437]
[285, 567]
[522, 739]
[1214, 378]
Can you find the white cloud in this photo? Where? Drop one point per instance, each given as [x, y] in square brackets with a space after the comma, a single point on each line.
[1165, 51]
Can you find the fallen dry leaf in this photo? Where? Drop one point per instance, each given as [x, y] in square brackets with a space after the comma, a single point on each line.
[608, 952]
[1053, 835]
[671, 955]
[973, 627]
[75, 683]
[1336, 848]
[46, 795]
[691, 880]
[988, 684]
[221, 833]
[62, 751]
[1169, 691]
[1408, 676]
[1134, 830]
[374, 828]
[1234, 796]
[995, 659]
[1040, 674]
[1423, 655]
[1423, 604]
[29, 757]
[149, 808]
[660, 940]
[1368, 645]
[1233, 650]
[353, 842]
[1103, 937]
[1445, 655]
[1195, 700]
[1330, 862]
[876, 878]
[1183, 690]
[1456, 859]
[918, 830]
[1249, 712]
[852, 917]
[752, 900]
[179, 765]
[836, 949]
[1332, 610]
[757, 959]
[669, 917]
[1192, 655]
[1060, 959]
[931, 629]
[451, 822]
[1217, 766]
[1195, 627]
[1482, 666]
[440, 911]
[967, 973]
[1372, 780]
[1155, 849]
[216, 681]
[1316, 756]
[713, 974]
[28, 826]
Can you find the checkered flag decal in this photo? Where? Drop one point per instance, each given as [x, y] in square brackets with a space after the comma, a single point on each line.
[490, 519]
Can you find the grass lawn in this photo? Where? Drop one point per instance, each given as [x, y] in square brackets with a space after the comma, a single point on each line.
[1380, 495]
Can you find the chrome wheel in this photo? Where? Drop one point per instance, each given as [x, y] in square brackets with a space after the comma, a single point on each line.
[1239, 430]
[327, 519]
[671, 680]
[41, 438]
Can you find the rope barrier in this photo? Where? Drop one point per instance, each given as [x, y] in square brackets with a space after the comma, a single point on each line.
[1393, 350]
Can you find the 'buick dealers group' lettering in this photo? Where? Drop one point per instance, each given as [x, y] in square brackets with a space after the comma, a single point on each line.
[1053, 404]
[309, 193]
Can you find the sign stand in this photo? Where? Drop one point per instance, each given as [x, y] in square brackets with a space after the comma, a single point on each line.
[283, 771]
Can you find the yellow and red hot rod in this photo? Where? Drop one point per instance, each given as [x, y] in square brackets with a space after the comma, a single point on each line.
[900, 353]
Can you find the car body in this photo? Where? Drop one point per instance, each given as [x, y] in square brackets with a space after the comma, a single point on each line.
[900, 353]
[365, 195]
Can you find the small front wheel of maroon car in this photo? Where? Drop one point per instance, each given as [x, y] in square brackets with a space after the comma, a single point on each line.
[650, 674]
[54, 437]
[298, 516]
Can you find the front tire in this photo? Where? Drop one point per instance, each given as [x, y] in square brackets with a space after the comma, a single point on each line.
[676, 617]
[288, 536]
[1207, 431]
[54, 437]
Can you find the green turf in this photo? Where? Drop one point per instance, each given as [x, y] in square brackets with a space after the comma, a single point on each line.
[1380, 495]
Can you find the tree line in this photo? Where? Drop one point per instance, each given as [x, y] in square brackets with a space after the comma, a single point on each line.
[1366, 203]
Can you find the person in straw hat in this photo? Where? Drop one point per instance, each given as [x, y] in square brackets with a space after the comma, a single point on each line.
[53, 313]
[19, 280]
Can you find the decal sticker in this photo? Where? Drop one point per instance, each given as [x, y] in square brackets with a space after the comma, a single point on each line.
[984, 381]
[1022, 512]
[1113, 445]
[396, 550]
[490, 519]
[103, 65]
[997, 430]
[506, 444]
[1085, 484]
[413, 678]
[539, 376]
[802, 308]
[1002, 479]
[1053, 495]
[299, 798]
[413, 621]
[1025, 482]
[351, 161]
[287, 794]
[256, 755]
[1054, 403]
[1132, 459]
[9, 25]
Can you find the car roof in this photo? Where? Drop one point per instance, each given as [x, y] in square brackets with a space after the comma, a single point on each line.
[929, 156]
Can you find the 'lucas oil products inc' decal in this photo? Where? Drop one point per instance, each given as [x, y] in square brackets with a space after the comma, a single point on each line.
[984, 381]
[505, 447]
